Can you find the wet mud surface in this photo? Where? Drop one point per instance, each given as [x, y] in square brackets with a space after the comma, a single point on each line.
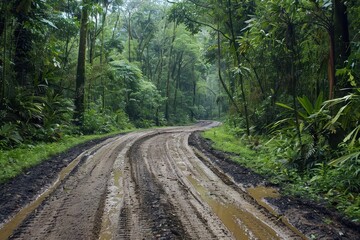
[153, 185]
[17, 192]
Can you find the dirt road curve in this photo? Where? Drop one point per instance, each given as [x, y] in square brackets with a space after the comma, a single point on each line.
[145, 185]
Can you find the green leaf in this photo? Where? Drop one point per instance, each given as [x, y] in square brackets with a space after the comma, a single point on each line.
[306, 104]
[352, 134]
[284, 106]
[319, 102]
[343, 159]
[334, 120]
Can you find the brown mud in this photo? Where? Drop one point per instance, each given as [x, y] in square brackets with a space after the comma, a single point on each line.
[19, 191]
[151, 185]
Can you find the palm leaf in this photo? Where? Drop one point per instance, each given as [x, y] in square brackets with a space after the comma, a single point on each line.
[306, 104]
[284, 106]
[343, 159]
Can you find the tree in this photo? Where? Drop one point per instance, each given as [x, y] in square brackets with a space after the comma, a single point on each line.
[80, 72]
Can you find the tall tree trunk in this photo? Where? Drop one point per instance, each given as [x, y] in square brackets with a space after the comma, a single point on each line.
[92, 40]
[292, 43]
[223, 84]
[342, 38]
[341, 43]
[22, 60]
[159, 68]
[149, 71]
[115, 26]
[129, 35]
[103, 31]
[193, 96]
[237, 58]
[331, 63]
[177, 82]
[3, 62]
[80, 72]
[167, 117]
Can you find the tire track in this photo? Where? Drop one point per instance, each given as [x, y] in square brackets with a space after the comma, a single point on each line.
[72, 210]
[156, 212]
[149, 185]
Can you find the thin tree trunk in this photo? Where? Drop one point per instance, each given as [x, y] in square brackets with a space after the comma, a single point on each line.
[237, 55]
[341, 25]
[160, 70]
[92, 38]
[148, 67]
[80, 72]
[22, 64]
[194, 97]
[4, 61]
[103, 33]
[331, 64]
[257, 78]
[169, 75]
[177, 83]
[294, 80]
[231, 98]
[129, 33]
[115, 26]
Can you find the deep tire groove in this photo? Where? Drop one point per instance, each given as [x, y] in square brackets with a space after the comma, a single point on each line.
[157, 210]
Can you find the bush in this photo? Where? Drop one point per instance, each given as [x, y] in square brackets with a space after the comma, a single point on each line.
[98, 121]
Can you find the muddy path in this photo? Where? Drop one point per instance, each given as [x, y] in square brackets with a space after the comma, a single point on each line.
[145, 185]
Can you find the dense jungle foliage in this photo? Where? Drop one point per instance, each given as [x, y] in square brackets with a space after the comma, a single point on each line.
[284, 74]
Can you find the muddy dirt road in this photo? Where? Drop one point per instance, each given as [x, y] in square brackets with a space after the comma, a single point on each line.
[146, 185]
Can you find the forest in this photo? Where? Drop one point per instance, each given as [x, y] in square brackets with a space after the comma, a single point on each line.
[282, 76]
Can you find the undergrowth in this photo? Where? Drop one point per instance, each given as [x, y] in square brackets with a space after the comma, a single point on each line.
[262, 154]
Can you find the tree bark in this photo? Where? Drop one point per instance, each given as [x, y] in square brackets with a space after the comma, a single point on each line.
[342, 39]
[177, 82]
[223, 84]
[23, 44]
[103, 31]
[80, 72]
[130, 37]
[237, 56]
[167, 115]
[341, 44]
[331, 64]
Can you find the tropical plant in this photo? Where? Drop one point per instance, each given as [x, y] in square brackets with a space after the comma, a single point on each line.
[311, 123]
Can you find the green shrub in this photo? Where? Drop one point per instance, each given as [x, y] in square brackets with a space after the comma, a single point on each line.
[98, 121]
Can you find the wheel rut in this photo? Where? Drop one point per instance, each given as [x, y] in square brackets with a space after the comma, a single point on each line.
[148, 185]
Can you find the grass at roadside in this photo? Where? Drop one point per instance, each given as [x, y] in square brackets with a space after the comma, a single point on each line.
[249, 152]
[264, 156]
[15, 161]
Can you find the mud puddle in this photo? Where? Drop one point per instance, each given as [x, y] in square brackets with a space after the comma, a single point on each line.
[259, 193]
[242, 224]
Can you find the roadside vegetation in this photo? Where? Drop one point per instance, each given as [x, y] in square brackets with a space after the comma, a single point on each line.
[284, 73]
[70, 68]
[18, 160]
[273, 156]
